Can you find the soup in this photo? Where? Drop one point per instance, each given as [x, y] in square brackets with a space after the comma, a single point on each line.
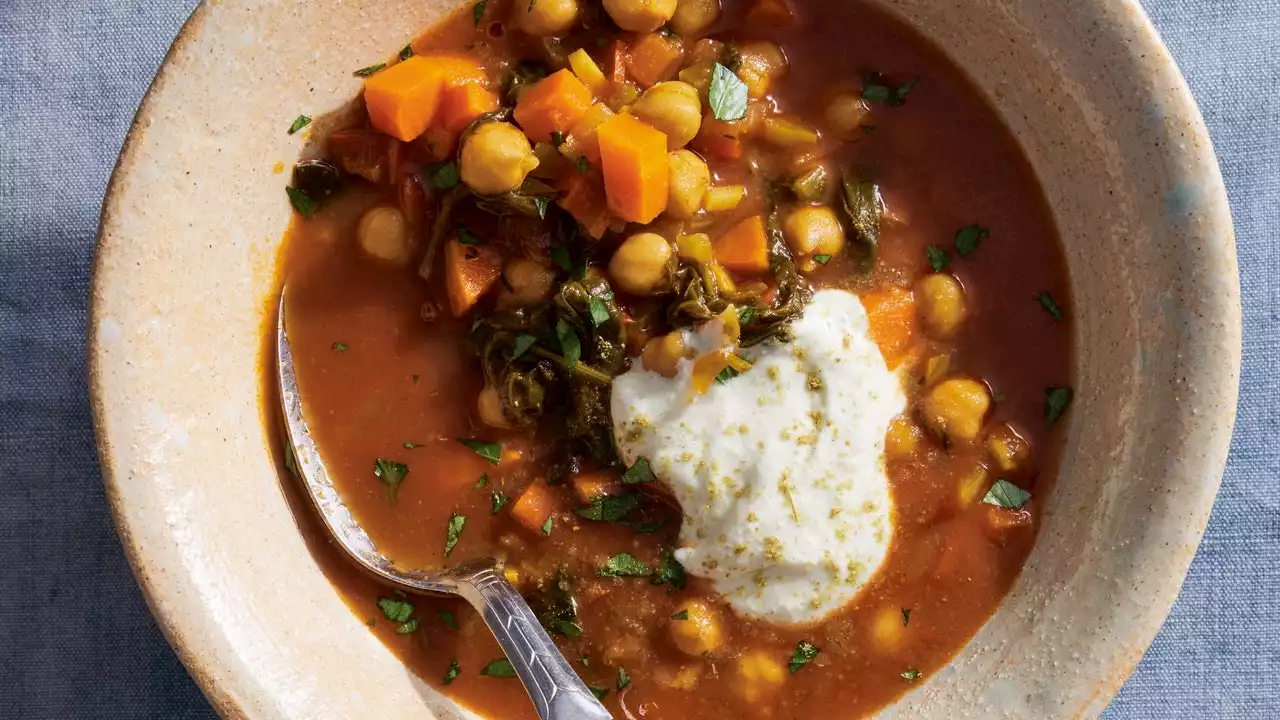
[737, 331]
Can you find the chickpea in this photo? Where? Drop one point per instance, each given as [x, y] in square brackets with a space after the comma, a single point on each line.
[672, 107]
[846, 114]
[642, 264]
[955, 408]
[758, 672]
[973, 485]
[640, 15]
[496, 158]
[1010, 452]
[694, 17]
[548, 17]
[384, 234]
[762, 63]
[903, 438]
[527, 282]
[942, 304]
[664, 353]
[690, 179]
[701, 634]
[813, 230]
[887, 628]
[489, 408]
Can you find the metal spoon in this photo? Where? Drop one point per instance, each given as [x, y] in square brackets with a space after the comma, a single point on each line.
[556, 690]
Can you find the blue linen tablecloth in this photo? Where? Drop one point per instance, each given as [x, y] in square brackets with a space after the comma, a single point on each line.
[76, 640]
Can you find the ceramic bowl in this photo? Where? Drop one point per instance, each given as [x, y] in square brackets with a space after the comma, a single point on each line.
[185, 275]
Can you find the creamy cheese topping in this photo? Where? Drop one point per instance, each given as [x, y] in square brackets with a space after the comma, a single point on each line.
[780, 471]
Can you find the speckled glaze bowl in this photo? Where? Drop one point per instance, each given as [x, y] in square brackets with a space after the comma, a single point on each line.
[185, 270]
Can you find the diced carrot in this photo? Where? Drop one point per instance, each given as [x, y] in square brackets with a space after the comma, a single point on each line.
[891, 314]
[553, 104]
[469, 272]
[1002, 523]
[655, 58]
[745, 247]
[465, 103]
[594, 484]
[402, 100]
[584, 199]
[636, 174]
[617, 62]
[716, 137]
[771, 13]
[534, 506]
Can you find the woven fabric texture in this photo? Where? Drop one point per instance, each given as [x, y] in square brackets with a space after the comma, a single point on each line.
[76, 640]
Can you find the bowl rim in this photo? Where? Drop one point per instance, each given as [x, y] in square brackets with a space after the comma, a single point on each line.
[229, 703]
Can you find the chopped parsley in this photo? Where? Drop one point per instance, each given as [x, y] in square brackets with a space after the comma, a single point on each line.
[302, 202]
[969, 237]
[490, 451]
[499, 501]
[540, 204]
[395, 609]
[584, 165]
[477, 11]
[727, 95]
[624, 565]
[299, 123]
[452, 673]
[499, 668]
[453, 532]
[290, 462]
[1056, 400]
[746, 315]
[546, 526]
[406, 52]
[670, 572]
[391, 474]
[407, 627]
[639, 472]
[624, 679]
[560, 256]
[557, 138]
[609, 508]
[874, 89]
[570, 345]
[522, 345]
[598, 691]
[804, 654]
[726, 375]
[822, 259]
[1046, 301]
[1005, 494]
[338, 346]
[567, 628]
[448, 620]
[466, 237]
[484, 480]
[365, 72]
[445, 176]
[599, 311]
[682, 615]
[939, 259]
[906, 616]
[911, 674]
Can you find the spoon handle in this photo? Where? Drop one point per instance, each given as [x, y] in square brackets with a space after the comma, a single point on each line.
[556, 690]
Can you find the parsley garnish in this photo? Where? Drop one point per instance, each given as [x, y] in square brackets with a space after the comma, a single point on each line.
[484, 480]
[406, 52]
[541, 203]
[557, 138]
[598, 691]
[499, 501]
[1006, 495]
[499, 668]
[477, 11]
[609, 508]
[567, 628]
[302, 202]
[546, 526]
[746, 315]
[560, 256]
[301, 122]
[1046, 301]
[969, 237]
[682, 615]
[670, 572]
[874, 89]
[624, 565]
[804, 654]
[911, 674]
[490, 451]
[445, 176]
[466, 237]
[452, 673]
[447, 619]
[522, 345]
[410, 445]
[623, 679]
[726, 375]
[391, 473]
[939, 259]
[1056, 400]
[727, 95]
[407, 627]
[570, 345]
[340, 347]
[584, 165]
[394, 609]
[453, 532]
[822, 259]
[639, 472]
[906, 616]
[365, 72]
[599, 311]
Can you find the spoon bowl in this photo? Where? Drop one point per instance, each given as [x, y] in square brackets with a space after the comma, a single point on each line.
[555, 689]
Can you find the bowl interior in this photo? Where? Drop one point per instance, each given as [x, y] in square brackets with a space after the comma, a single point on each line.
[185, 281]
